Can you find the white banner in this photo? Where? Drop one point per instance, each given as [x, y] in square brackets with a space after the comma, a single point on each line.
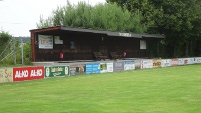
[146, 64]
[189, 60]
[166, 63]
[106, 67]
[129, 65]
[181, 61]
[198, 60]
[45, 41]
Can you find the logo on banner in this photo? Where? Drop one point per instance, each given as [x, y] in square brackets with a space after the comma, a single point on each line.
[66, 70]
[47, 72]
[25, 73]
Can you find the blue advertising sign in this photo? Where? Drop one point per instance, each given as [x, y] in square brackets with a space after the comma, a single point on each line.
[92, 68]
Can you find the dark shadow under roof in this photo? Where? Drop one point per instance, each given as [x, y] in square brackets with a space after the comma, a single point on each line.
[109, 33]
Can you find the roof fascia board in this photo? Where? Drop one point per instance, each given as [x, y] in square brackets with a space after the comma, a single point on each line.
[46, 29]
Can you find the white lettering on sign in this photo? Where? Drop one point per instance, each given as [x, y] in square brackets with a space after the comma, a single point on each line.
[21, 74]
[125, 34]
[36, 73]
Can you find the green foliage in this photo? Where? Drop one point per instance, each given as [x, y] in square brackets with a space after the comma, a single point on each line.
[179, 20]
[27, 53]
[181, 25]
[15, 46]
[4, 39]
[149, 14]
[102, 16]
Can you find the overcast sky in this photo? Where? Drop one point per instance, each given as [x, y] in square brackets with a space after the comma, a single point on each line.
[17, 17]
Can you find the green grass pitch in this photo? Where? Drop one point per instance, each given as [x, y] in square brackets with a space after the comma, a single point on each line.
[161, 90]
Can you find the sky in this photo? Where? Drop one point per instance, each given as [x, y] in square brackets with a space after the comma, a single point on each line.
[17, 17]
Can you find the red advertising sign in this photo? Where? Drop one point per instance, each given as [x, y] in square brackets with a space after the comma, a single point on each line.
[28, 73]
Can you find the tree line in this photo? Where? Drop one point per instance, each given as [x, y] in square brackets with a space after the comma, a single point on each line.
[178, 20]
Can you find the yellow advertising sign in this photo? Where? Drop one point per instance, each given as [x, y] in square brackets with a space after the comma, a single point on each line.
[157, 63]
[6, 75]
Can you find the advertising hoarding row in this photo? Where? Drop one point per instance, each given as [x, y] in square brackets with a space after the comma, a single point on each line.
[40, 72]
[156, 63]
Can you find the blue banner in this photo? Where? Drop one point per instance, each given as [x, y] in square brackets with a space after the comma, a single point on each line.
[92, 68]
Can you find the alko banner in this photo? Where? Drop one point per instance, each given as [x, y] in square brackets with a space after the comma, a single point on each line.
[28, 73]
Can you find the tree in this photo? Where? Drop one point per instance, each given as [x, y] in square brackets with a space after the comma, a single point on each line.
[179, 20]
[4, 39]
[5, 45]
[180, 24]
[102, 16]
[149, 13]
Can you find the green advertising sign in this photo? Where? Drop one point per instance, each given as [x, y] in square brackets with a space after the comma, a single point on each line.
[54, 71]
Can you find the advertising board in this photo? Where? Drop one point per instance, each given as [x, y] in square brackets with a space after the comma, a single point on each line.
[129, 65]
[174, 62]
[77, 69]
[92, 68]
[106, 67]
[198, 59]
[6, 75]
[56, 71]
[28, 73]
[137, 63]
[118, 66]
[166, 63]
[157, 63]
[189, 60]
[45, 41]
[145, 64]
[180, 61]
